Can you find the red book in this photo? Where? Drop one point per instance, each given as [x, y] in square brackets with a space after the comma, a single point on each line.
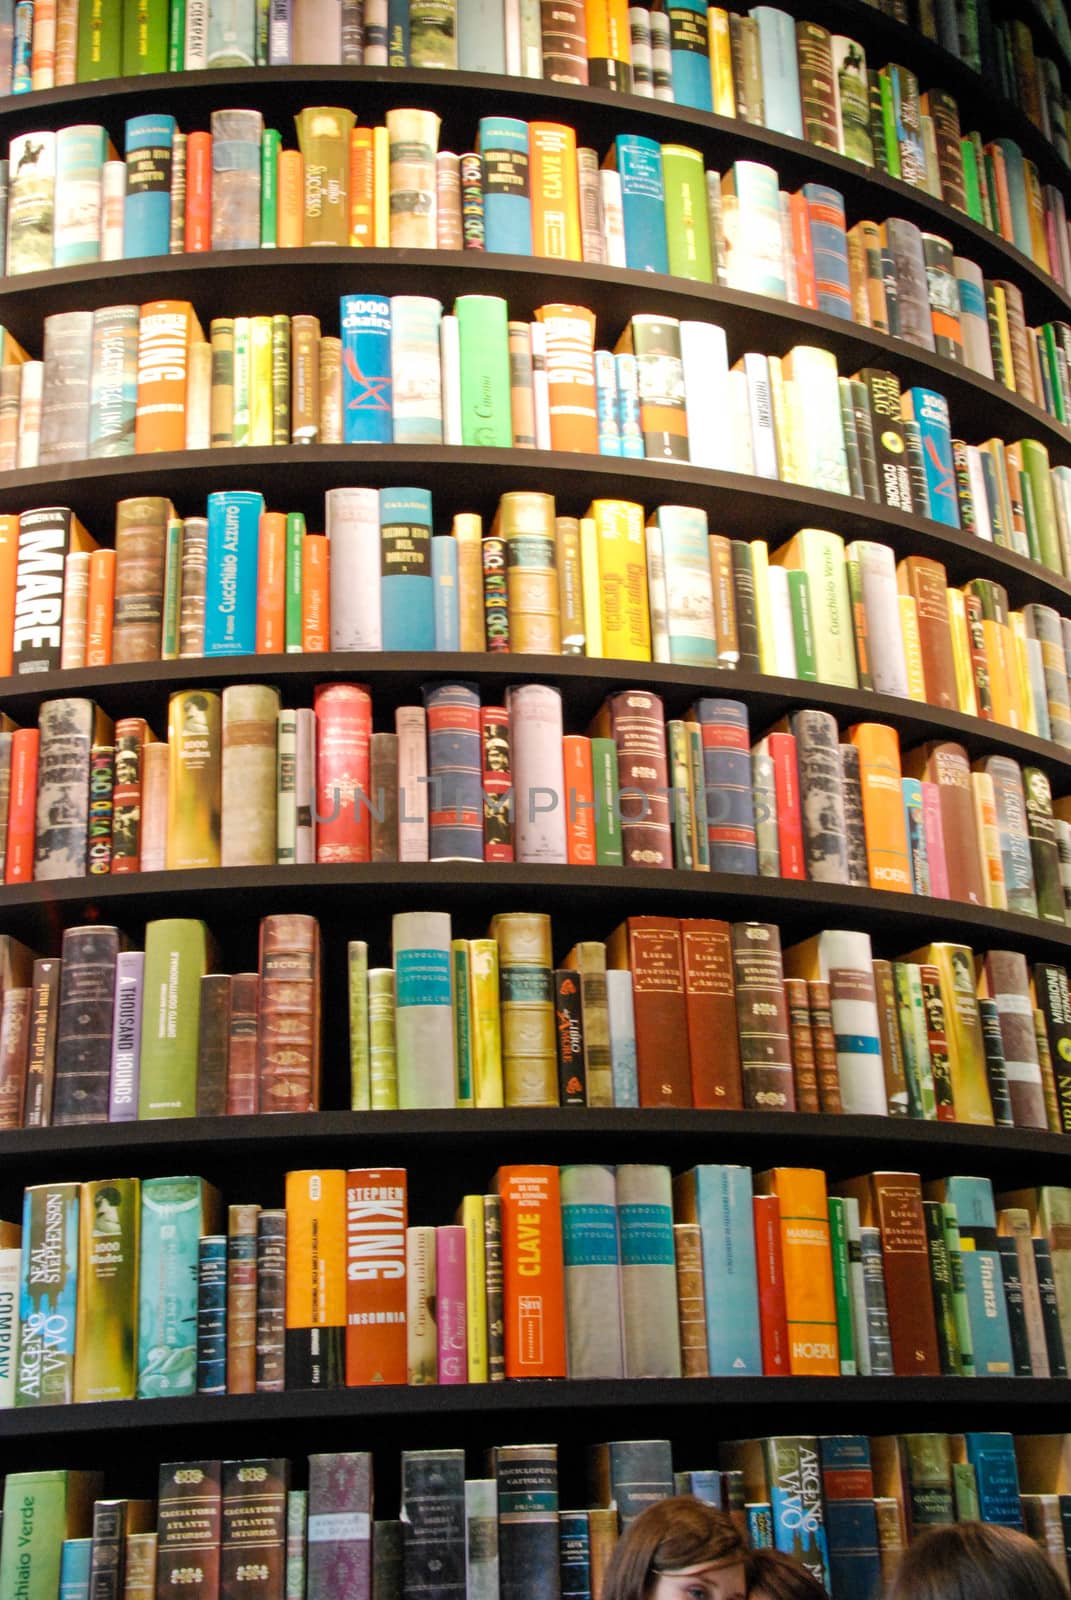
[198, 191]
[289, 1013]
[22, 809]
[769, 1266]
[652, 950]
[376, 1218]
[802, 249]
[782, 748]
[892, 1202]
[710, 999]
[343, 772]
[497, 783]
[242, 1088]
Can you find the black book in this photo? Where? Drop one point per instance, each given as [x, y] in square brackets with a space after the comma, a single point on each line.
[1013, 1299]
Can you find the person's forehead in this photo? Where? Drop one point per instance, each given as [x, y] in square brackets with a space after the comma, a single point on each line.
[723, 1564]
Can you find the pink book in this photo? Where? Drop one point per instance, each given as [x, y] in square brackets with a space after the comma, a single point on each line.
[450, 1304]
[343, 760]
[154, 762]
[935, 841]
[410, 724]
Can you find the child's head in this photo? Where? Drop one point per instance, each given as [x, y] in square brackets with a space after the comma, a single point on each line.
[773, 1576]
[975, 1561]
[678, 1549]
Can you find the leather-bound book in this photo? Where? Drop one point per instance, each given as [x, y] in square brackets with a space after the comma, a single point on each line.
[892, 1202]
[651, 948]
[710, 1000]
[288, 1027]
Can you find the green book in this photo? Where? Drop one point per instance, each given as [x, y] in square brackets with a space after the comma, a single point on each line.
[687, 220]
[1029, 517]
[842, 1288]
[1052, 365]
[100, 40]
[608, 846]
[699, 792]
[462, 1022]
[855, 596]
[971, 187]
[677, 748]
[960, 1302]
[242, 352]
[145, 30]
[169, 632]
[483, 336]
[799, 598]
[888, 124]
[295, 535]
[360, 1078]
[176, 959]
[1037, 476]
[270, 145]
[965, 1492]
[941, 1283]
[41, 1510]
[912, 1019]
[176, 42]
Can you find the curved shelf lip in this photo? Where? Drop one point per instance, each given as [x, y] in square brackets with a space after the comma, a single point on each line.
[657, 116]
[913, 719]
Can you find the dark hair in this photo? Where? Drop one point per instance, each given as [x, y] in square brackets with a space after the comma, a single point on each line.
[779, 1577]
[975, 1561]
[668, 1536]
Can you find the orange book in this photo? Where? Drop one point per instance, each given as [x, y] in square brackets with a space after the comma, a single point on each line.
[570, 362]
[166, 331]
[43, 51]
[362, 186]
[375, 1276]
[579, 800]
[803, 250]
[9, 561]
[315, 607]
[533, 1271]
[609, 48]
[883, 806]
[22, 808]
[271, 585]
[810, 1304]
[315, 1279]
[554, 190]
[1005, 226]
[100, 608]
[290, 229]
[199, 191]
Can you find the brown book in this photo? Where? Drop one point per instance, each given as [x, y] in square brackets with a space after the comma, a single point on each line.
[82, 1074]
[944, 114]
[288, 1026]
[140, 558]
[818, 95]
[271, 1301]
[384, 796]
[242, 1298]
[762, 1017]
[636, 722]
[564, 36]
[242, 1091]
[927, 582]
[801, 1039]
[140, 1567]
[825, 1047]
[710, 998]
[41, 1060]
[892, 1202]
[213, 1032]
[651, 949]
[1006, 979]
[892, 1050]
[1018, 338]
[603, 1534]
[188, 1520]
[691, 1304]
[254, 1529]
[14, 1051]
[947, 766]
[113, 1523]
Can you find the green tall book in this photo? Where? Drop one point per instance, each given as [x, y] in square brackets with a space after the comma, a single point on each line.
[687, 220]
[1037, 471]
[145, 29]
[176, 959]
[41, 1509]
[483, 334]
[100, 40]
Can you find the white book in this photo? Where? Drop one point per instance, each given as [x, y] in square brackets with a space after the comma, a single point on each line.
[854, 1008]
[279, 48]
[535, 717]
[126, 1037]
[199, 396]
[481, 1539]
[450, 346]
[155, 761]
[316, 33]
[881, 606]
[75, 609]
[421, 1333]
[705, 359]
[540, 385]
[983, 525]
[416, 369]
[512, 10]
[661, 56]
[593, 1326]
[305, 787]
[196, 42]
[788, 253]
[410, 724]
[112, 208]
[657, 599]
[648, 1272]
[763, 433]
[639, 20]
[619, 1005]
[10, 1275]
[286, 787]
[423, 1009]
[31, 386]
[857, 1286]
[613, 218]
[354, 567]
[738, 432]
[974, 324]
[531, 39]
[781, 615]
[31, 202]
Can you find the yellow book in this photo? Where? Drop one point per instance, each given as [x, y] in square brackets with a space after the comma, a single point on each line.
[194, 778]
[570, 584]
[529, 1044]
[1004, 336]
[591, 587]
[382, 1050]
[381, 188]
[722, 89]
[471, 1218]
[909, 631]
[961, 653]
[462, 1009]
[468, 531]
[985, 822]
[760, 564]
[260, 395]
[486, 1022]
[1021, 679]
[622, 546]
[782, 430]
[106, 1328]
[963, 1030]
[525, 522]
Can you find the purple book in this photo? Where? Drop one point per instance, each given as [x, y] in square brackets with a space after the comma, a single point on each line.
[450, 1303]
[126, 1036]
[339, 1565]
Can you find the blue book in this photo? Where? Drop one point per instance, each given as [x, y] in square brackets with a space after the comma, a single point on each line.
[851, 1521]
[636, 1471]
[727, 785]
[481, 36]
[622, 1038]
[231, 572]
[455, 773]
[992, 1455]
[719, 1198]
[212, 1315]
[931, 414]
[507, 205]
[574, 1564]
[48, 1295]
[916, 836]
[629, 427]
[829, 248]
[794, 1482]
[367, 396]
[407, 594]
[705, 1485]
[75, 1561]
[780, 70]
[22, 50]
[1017, 196]
[444, 582]
[983, 1276]
[147, 207]
[686, 557]
[643, 202]
[760, 1528]
[606, 403]
[690, 54]
[232, 33]
[172, 1223]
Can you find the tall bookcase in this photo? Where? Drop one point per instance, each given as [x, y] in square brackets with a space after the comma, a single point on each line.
[447, 1151]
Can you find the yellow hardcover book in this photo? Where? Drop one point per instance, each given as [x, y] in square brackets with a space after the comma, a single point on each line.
[760, 567]
[529, 1046]
[525, 522]
[468, 531]
[106, 1327]
[782, 429]
[471, 1219]
[820, 554]
[963, 1029]
[382, 1050]
[909, 632]
[381, 188]
[260, 392]
[486, 1022]
[722, 89]
[985, 822]
[570, 585]
[622, 546]
[1004, 336]
[591, 587]
[961, 653]
[1021, 675]
[194, 779]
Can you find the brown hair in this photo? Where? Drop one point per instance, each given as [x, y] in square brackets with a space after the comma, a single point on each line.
[975, 1561]
[670, 1535]
[777, 1577]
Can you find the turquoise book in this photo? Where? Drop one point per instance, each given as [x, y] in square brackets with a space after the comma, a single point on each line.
[690, 54]
[416, 388]
[719, 1198]
[622, 1021]
[483, 340]
[481, 36]
[232, 33]
[507, 192]
[444, 582]
[231, 572]
[916, 835]
[173, 1218]
[80, 153]
[643, 201]
[983, 1275]
[48, 1295]
[780, 70]
[147, 205]
[1015, 173]
[606, 404]
[992, 1455]
[367, 392]
[690, 597]
[407, 594]
[75, 1561]
[930, 411]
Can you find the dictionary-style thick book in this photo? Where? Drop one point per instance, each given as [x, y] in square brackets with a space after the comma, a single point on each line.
[248, 775]
[84, 1028]
[892, 1202]
[189, 1528]
[253, 1526]
[530, 1198]
[376, 1219]
[166, 332]
[719, 1199]
[176, 958]
[433, 1522]
[343, 772]
[592, 1272]
[651, 948]
[175, 1214]
[69, 729]
[46, 537]
[194, 798]
[289, 1025]
[528, 1539]
[106, 1329]
[48, 1295]
[526, 977]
